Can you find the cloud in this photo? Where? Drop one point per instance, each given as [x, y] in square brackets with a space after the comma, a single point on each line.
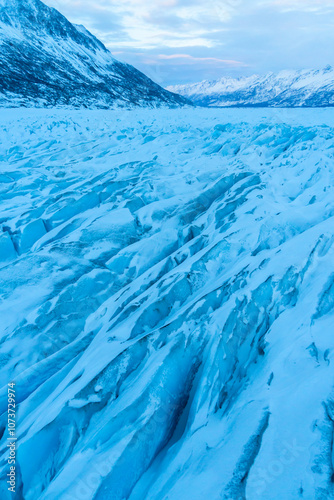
[172, 23]
[310, 6]
[191, 59]
[212, 39]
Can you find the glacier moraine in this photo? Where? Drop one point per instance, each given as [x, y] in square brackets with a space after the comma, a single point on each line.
[167, 303]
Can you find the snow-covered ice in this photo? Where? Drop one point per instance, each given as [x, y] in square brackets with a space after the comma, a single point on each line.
[167, 303]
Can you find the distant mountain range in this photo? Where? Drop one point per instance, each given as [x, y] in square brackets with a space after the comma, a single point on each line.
[307, 88]
[47, 61]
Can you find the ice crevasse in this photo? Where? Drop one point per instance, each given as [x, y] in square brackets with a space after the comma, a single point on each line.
[167, 299]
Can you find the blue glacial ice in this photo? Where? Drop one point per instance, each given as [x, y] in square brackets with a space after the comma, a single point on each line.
[167, 303]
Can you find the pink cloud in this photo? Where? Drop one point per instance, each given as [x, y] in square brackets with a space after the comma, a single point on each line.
[227, 62]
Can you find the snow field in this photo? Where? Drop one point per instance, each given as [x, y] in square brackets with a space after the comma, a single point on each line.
[167, 298]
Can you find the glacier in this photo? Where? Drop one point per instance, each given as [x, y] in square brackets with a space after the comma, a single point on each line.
[167, 303]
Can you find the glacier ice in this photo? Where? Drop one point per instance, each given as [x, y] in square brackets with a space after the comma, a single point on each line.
[167, 300]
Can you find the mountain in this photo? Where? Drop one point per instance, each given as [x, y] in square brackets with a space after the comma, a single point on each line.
[307, 88]
[47, 61]
[167, 304]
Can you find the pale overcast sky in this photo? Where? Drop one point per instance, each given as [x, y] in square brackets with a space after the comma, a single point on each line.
[181, 41]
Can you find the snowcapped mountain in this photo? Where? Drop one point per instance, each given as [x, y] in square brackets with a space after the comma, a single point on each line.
[167, 303]
[47, 61]
[307, 88]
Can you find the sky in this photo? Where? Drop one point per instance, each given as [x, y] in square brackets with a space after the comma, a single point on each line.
[186, 41]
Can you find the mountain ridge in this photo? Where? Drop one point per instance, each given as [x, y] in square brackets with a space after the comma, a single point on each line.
[303, 88]
[46, 61]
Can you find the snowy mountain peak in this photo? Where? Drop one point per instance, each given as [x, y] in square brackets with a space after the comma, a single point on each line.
[304, 88]
[27, 15]
[47, 61]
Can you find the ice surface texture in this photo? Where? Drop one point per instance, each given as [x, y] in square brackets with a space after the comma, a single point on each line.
[167, 300]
